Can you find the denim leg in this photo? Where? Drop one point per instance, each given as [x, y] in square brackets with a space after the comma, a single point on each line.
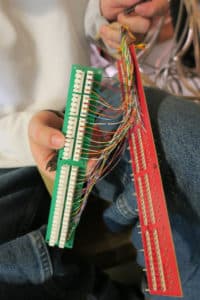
[175, 125]
[26, 268]
[176, 130]
[25, 260]
[29, 266]
[29, 269]
[22, 195]
[117, 185]
[22, 257]
[179, 123]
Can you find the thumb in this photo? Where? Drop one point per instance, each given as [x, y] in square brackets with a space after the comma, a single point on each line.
[51, 138]
[43, 130]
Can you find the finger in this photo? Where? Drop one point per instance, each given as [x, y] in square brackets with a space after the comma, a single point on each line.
[152, 8]
[136, 24]
[41, 132]
[111, 33]
[125, 3]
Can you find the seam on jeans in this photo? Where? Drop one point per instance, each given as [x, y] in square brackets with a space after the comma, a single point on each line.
[124, 178]
[124, 209]
[42, 253]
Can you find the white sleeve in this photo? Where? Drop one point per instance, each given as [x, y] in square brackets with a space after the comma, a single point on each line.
[93, 19]
[14, 142]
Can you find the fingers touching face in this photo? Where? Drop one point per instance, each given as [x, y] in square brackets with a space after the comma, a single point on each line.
[139, 21]
[136, 24]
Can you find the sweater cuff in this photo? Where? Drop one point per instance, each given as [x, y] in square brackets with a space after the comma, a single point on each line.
[93, 19]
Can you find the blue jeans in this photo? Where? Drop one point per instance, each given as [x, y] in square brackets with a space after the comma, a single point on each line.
[175, 125]
[28, 265]
[29, 269]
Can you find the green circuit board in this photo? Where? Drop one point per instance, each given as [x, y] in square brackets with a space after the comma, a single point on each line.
[72, 159]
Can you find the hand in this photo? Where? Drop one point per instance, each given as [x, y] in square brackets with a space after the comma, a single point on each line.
[144, 14]
[139, 22]
[111, 35]
[110, 9]
[45, 138]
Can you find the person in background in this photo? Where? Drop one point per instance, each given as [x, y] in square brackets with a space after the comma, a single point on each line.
[171, 35]
[39, 42]
[104, 28]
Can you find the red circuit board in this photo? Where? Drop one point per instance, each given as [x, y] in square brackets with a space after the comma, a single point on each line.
[159, 253]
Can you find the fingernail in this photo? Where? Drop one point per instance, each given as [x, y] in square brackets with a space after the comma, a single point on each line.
[57, 141]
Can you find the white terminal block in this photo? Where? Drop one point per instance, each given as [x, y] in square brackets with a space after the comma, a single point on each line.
[89, 82]
[72, 126]
[74, 137]
[59, 205]
[78, 82]
[68, 207]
